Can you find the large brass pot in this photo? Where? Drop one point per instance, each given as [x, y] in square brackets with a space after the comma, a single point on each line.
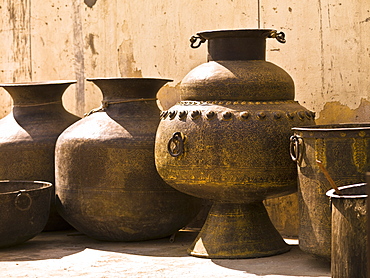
[28, 135]
[107, 183]
[344, 150]
[228, 141]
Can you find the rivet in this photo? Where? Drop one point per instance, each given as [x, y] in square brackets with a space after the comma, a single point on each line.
[290, 115]
[301, 115]
[277, 115]
[243, 103]
[236, 102]
[172, 114]
[228, 102]
[244, 115]
[182, 115]
[261, 115]
[227, 116]
[195, 114]
[164, 114]
[210, 115]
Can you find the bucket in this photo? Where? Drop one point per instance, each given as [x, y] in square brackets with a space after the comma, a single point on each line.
[24, 210]
[348, 232]
[344, 150]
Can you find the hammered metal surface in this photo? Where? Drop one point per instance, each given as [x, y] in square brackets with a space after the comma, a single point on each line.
[29, 132]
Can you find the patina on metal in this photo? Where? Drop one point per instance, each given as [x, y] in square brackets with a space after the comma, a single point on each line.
[349, 231]
[107, 183]
[343, 150]
[228, 141]
[28, 135]
[24, 210]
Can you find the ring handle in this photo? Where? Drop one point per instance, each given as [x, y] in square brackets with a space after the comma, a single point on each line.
[194, 39]
[296, 148]
[175, 145]
[23, 201]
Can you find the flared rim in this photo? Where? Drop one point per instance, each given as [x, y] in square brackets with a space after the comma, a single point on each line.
[128, 78]
[38, 83]
[226, 33]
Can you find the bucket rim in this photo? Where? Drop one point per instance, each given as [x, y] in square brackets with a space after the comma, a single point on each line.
[331, 193]
[335, 127]
[43, 186]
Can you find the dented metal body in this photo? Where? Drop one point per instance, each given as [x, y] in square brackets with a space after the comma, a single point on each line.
[108, 186]
[228, 141]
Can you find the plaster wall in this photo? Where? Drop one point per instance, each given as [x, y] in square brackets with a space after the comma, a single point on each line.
[327, 51]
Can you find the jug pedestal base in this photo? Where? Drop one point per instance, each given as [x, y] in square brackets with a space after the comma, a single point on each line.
[237, 231]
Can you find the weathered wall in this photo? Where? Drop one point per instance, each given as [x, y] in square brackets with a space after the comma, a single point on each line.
[327, 51]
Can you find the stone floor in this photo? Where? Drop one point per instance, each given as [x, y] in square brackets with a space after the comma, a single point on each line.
[72, 254]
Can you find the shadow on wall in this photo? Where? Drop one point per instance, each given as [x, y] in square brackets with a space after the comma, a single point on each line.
[335, 112]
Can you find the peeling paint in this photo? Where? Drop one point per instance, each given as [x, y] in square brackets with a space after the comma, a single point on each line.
[335, 112]
[126, 60]
[91, 44]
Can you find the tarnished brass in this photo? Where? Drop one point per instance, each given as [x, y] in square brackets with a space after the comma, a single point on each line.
[107, 183]
[24, 210]
[28, 135]
[240, 110]
[344, 150]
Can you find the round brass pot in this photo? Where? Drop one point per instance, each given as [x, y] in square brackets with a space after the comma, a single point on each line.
[107, 183]
[28, 135]
[228, 141]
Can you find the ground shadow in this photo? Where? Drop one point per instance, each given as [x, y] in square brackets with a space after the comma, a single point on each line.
[56, 245]
[293, 263]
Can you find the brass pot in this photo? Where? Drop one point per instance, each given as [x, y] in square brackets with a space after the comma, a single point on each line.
[28, 135]
[228, 141]
[107, 183]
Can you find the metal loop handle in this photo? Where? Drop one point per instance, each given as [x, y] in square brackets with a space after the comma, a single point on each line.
[175, 145]
[296, 148]
[279, 36]
[23, 201]
[194, 39]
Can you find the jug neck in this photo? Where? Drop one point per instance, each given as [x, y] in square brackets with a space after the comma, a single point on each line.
[36, 93]
[238, 44]
[120, 89]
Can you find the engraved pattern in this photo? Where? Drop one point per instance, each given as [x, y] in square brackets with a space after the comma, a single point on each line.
[320, 151]
[359, 147]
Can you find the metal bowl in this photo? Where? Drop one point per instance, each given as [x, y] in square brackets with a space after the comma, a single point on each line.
[24, 210]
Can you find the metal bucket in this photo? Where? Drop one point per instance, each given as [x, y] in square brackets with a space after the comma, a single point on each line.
[24, 210]
[344, 150]
[348, 232]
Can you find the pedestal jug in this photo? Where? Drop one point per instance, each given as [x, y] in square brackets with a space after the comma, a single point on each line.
[108, 186]
[28, 135]
[228, 141]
